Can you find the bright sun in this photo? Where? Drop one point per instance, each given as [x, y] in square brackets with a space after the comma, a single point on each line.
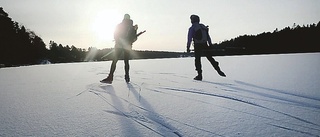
[104, 24]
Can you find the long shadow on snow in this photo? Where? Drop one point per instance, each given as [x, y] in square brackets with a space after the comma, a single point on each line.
[278, 91]
[286, 99]
[244, 112]
[97, 89]
[298, 103]
[185, 124]
[117, 104]
[294, 130]
[136, 117]
[236, 99]
[152, 115]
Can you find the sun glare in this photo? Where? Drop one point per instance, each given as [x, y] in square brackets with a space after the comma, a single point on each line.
[104, 24]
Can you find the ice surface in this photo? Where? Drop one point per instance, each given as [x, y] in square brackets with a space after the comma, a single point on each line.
[262, 95]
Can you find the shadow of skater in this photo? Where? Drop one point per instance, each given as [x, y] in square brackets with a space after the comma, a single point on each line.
[151, 114]
[129, 129]
[199, 34]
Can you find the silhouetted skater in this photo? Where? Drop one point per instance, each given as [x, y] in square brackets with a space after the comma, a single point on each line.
[199, 34]
[124, 36]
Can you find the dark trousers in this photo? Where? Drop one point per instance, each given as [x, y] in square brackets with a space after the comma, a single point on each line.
[126, 56]
[202, 49]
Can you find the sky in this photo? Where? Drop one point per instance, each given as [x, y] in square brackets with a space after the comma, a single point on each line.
[91, 23]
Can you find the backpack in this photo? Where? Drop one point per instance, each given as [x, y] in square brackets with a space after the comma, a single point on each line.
[201, 33]
[132, 34]
[126, 31]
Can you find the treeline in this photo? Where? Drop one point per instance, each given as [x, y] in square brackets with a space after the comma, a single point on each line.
[57, 53]
[18, 45]
[295, 39]
[95, 54]
[21, 46]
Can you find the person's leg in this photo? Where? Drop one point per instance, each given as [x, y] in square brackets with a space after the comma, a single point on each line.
[127, 53]
[117, 53]
[197, 55]
[214, 63]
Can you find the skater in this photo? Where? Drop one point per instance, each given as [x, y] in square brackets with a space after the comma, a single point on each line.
[124, 35]
[199, 34]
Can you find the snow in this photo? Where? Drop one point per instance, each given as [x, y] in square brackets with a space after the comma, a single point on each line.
[262, 95]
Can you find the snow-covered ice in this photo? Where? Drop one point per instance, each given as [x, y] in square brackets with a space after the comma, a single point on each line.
[262, 95]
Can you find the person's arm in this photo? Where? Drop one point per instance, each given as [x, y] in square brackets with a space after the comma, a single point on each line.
[190, 35]
[209, 38]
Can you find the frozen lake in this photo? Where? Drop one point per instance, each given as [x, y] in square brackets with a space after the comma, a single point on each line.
[262, 95]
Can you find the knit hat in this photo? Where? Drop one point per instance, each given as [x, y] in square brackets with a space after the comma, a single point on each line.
[126, 17]
[194, 18]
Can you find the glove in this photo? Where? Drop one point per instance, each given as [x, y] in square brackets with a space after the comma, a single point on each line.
[188, 50]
